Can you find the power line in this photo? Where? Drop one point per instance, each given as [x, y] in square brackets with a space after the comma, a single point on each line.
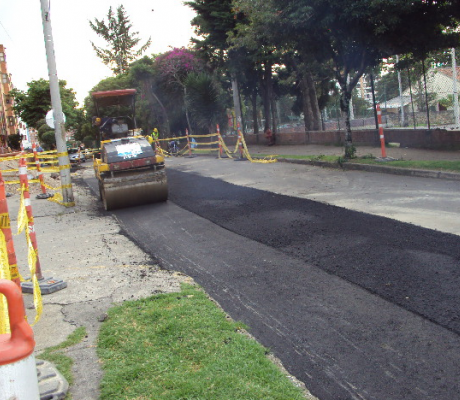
[6, 31]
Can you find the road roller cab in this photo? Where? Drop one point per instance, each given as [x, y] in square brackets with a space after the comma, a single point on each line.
[128, 170]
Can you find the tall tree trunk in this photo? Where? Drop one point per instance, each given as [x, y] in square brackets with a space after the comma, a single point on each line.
[315, 111]
[152, 97]
[274, 119]
[345, 98]
[190, 132]
[312, 114]
[237, 103]
[267, 82]
[255, 122]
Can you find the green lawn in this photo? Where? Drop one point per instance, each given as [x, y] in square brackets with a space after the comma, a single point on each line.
[453, 166]
[182, 346]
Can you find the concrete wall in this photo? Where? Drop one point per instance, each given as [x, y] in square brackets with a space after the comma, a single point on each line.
[419, 138]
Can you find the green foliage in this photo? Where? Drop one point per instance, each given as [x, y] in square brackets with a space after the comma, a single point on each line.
[181, 346]
[121, 41]
[350, 152]
[56, 354]
[203, 98]
[448, 101]
[32, 105]
[14, 141]
[48, 140]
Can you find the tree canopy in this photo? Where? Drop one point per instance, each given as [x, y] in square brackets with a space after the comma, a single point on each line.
[32, 105]
[116, 31]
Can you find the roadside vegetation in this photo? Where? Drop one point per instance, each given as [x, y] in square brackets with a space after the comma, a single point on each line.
[57, 356]
[182, 346]
[437, 165]
[267, 63]
[453, 166]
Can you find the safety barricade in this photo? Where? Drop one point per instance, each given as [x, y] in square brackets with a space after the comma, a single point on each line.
[44, 163]
[212, 143]
[36, 284]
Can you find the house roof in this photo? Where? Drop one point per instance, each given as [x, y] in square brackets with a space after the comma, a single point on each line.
[395, 102]
[449, 72]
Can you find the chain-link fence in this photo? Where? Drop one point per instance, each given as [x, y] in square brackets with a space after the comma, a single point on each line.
[419, 96]
[416, 97]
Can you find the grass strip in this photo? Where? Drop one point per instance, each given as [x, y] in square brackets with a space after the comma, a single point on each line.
[56, 356]
[182, 346]
[435, 165]
[440, 165]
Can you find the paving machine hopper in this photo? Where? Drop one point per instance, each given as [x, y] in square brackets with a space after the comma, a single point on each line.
[128, 170]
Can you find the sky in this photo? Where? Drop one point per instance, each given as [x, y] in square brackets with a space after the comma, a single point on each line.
[167, 22]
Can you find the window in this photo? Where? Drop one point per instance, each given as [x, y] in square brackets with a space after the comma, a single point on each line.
[2, 57]
[11, 121]
[5, 78]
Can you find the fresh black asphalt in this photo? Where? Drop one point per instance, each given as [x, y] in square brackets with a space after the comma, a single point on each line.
[356, 306]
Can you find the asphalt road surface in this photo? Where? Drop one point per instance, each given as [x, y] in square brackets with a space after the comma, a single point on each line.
[357, 306]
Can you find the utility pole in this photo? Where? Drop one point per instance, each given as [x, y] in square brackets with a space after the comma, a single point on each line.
[59, 128]
[454, 76]
[401, 101]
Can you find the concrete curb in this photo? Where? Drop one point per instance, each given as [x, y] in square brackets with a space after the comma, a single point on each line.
[421, 173]
[52, 385]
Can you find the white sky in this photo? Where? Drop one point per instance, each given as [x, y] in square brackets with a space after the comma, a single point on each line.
[21, 32]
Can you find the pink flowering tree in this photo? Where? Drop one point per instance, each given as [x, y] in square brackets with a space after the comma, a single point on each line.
[173, 68]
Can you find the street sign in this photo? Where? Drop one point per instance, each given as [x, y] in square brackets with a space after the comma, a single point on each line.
[50, 118]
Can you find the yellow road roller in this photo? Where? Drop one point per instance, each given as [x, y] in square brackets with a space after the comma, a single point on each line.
[128, 170]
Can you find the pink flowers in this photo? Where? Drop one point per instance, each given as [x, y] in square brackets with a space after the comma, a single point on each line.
[178, 62]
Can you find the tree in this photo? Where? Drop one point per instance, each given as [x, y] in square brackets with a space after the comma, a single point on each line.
[32, 106]
[173, 68]
[203, 100]
[215, 20]
[121, 41]
[356, 34]
[152, 110]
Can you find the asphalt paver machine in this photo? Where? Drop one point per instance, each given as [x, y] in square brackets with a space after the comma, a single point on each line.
[128, 170]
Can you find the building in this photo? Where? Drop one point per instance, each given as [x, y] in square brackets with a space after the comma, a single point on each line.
[8, 121]
[439, 87]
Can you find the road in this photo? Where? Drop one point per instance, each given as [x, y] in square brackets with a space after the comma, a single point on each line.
[355, 305]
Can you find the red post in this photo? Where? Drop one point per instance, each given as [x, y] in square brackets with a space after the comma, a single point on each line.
[382, 137]
[30, 219]
[39, 170]
[6, 229]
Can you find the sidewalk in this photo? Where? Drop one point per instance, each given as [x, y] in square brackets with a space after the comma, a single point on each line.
[84, 247]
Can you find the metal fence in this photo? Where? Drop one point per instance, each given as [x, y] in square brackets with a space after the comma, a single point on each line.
[417, 100]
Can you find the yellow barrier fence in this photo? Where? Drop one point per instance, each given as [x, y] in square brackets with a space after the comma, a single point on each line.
[49, 164]
[203, 147]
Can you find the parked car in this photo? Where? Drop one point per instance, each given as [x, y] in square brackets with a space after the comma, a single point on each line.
[75, 156]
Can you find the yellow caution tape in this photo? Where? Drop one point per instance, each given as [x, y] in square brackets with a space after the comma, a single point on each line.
[5, 273]
[57, 198]
[5, 221]
[208, 135]
[23, 225]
